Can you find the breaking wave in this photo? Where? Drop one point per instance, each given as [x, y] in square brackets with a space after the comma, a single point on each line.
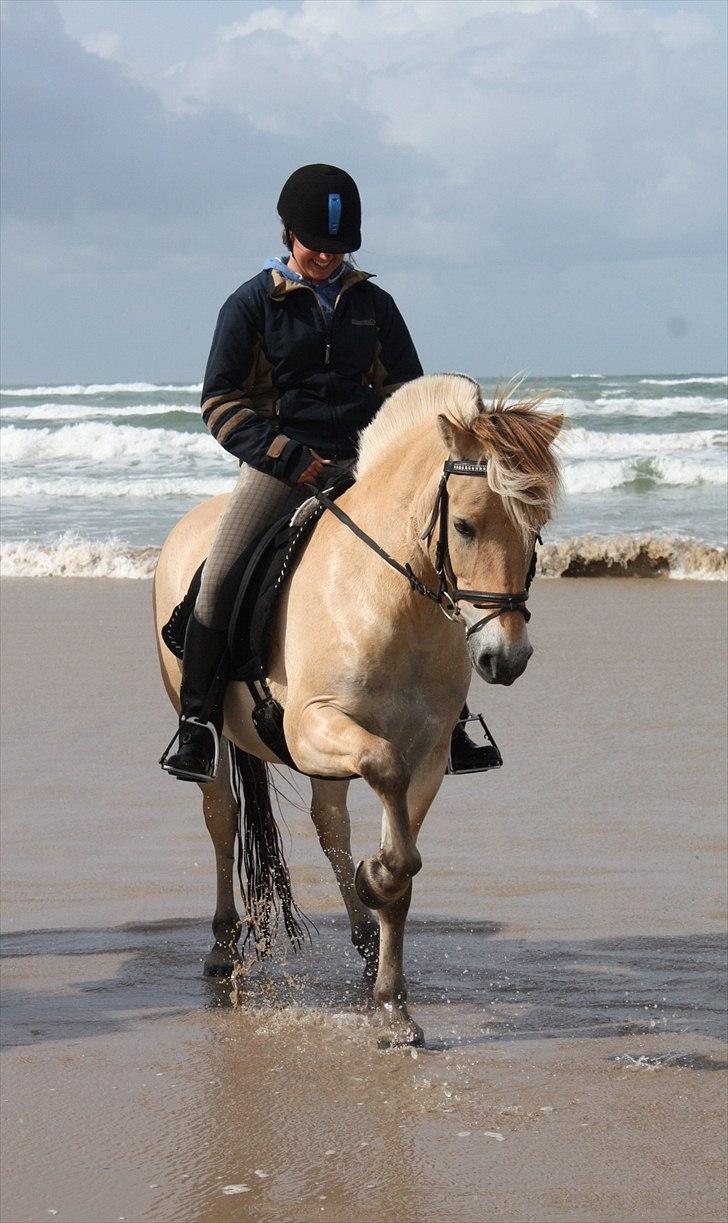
[588, 443]
[719, 380]
[72, 555]
[641, 556]
[104, 388]
[598, 475]
[102, 487]
[73, 411]
[670, 405]
[102, 443]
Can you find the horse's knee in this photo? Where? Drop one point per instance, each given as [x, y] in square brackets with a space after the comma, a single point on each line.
[384, 767]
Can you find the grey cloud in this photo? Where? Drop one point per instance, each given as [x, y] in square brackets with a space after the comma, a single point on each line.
[527, 176]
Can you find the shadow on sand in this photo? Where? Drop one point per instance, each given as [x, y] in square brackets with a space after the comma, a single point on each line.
[500, 989]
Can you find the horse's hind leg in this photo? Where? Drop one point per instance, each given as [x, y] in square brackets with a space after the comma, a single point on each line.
[221, 817]
[331, 819]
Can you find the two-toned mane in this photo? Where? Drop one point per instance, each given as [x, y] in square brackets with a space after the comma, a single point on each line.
[515, 435]
[371, 675]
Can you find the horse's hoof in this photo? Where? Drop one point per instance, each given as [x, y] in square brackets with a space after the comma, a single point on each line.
[221, 963]
[409, 1036]
[219, 972]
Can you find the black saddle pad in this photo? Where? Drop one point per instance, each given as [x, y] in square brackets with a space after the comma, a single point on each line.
[246, 604]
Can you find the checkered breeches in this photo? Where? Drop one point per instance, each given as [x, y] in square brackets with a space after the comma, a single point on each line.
[256, 501]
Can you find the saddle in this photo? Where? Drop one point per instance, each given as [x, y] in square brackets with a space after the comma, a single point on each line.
[246, 606]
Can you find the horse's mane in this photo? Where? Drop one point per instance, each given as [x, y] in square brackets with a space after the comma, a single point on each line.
[514, 436]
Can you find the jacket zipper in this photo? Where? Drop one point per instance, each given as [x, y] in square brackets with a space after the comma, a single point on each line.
[328, 327]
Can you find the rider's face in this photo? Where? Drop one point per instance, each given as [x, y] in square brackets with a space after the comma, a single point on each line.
[314, 265]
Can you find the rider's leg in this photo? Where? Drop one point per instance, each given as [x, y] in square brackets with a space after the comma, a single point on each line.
[256, 501]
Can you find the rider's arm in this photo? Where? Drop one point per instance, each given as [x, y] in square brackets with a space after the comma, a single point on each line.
[397, 361]
[239, 414]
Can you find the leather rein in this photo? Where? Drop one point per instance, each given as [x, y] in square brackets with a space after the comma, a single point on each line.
[447, 590]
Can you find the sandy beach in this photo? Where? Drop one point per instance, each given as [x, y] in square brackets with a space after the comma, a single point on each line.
[565, 956]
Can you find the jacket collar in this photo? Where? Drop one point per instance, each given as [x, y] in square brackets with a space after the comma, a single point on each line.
[282, 285]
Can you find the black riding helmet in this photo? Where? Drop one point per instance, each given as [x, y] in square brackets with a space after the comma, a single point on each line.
[321, 205]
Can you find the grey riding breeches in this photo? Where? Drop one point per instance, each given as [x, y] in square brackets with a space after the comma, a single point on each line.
[255, 503]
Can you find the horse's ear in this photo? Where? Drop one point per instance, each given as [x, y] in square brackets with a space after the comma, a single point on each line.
[457, 440]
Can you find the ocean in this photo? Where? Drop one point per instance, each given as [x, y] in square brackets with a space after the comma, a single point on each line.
[94, 476]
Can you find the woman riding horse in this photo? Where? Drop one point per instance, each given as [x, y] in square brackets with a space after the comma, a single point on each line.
[302, 358]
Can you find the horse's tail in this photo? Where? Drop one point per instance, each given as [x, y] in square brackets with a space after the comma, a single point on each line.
[265, 882]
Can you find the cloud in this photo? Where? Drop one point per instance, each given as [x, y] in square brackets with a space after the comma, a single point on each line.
[506, 151]
[556, 131]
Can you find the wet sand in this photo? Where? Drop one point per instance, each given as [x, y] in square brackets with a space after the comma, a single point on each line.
[566, 951]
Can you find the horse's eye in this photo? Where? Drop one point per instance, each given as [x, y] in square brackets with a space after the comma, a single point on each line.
[464, 528]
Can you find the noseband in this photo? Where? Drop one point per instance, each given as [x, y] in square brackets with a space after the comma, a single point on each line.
[447, 590]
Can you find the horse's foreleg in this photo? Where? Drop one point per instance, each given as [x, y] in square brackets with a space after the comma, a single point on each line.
[331, 819]
[390, 989]
[326, 740]
[221, 817]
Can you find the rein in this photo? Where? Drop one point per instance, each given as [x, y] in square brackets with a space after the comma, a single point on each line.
[447, 588]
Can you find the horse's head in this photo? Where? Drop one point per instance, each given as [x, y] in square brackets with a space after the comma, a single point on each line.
[493, 522]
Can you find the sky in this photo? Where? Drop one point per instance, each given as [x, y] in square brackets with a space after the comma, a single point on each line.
[543, 181]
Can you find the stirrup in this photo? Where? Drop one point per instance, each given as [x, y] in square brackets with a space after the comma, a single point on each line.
[492, 758]
[187, 775]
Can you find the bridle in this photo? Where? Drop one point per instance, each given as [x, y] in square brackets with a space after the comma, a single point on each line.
[447, 595]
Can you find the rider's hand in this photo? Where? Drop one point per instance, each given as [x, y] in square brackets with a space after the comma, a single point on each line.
[314, 469]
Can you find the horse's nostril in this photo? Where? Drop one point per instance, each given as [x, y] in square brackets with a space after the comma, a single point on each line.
[485, 662]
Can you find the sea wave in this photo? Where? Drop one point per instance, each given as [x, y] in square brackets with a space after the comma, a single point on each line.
[73, 555]
[670, 405]
[102, 488]
[598, 475]
[633, 556]
[72, 411]
[719, 380]
[103, 388]
[103, 442]
[584, 443]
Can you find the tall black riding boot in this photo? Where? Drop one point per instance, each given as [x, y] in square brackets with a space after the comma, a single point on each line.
[467, 756]
[202, 695]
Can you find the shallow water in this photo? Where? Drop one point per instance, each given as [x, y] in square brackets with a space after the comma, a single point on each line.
[149, 1093]
[468, 982]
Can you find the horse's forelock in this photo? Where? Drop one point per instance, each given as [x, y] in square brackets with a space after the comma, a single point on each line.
[513, 434]
[516, 438]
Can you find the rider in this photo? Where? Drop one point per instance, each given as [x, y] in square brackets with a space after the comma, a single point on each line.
[302, 358]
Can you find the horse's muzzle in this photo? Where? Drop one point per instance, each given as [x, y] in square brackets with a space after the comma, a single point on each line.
[501, 666]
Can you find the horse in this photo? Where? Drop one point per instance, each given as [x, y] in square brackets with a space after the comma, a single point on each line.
[370, 673]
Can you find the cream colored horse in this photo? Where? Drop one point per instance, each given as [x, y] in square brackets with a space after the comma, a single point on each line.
[371, 674]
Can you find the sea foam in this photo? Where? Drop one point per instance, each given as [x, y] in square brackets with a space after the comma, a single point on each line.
[73, 555]
[74, 411]
[103, 388]
[98, 441]
[633, 556]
